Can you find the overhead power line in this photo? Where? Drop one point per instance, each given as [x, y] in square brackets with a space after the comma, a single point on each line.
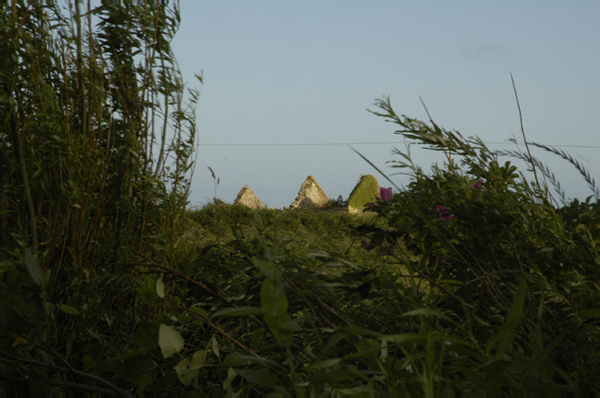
[376, 143]
[307, 144]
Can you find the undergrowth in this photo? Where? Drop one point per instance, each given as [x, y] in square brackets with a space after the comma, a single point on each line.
[469, 282]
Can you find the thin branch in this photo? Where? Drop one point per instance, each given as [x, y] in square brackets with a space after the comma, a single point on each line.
[449, 154]
[18, 148]
[582, 170]
[78, 373]
[426, 110]
[523, 132]
[221, 331]
[72, 386]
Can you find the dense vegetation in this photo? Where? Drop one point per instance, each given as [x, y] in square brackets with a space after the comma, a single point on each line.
[471, 281]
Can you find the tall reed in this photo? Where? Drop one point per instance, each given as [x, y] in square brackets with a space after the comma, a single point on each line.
[97, 140]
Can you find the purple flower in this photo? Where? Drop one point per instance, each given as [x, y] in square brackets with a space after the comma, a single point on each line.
[385, 194]
[444, 213]
[478, 186]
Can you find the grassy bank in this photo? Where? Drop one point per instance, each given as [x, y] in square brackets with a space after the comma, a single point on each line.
[309, 231]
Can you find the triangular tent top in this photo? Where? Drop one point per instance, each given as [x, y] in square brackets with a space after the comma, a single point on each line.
[311, 196]
[246, 197]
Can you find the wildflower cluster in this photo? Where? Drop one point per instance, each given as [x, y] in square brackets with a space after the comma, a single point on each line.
[385, 194]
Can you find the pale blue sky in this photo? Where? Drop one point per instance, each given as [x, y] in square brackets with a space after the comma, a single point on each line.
[304, 72]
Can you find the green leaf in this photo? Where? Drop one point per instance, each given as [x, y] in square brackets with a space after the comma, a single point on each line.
[36, 273]
[184, 318]
[419, 338]
[546, 250]
[147, 293]
[169, 340]
[176, 302]
[237, 359]
[260, 377]
[200, 311]
[188, 369]
[276, 304]
[270, 271]
[507, 333]
[263, 242]
[326, 363]
[291, 326]
[239, 311]
[369, 345]
[129, 354]
[69, 310]
[429, 312]
[336, 338]
[160, 287]
[358, 330]
[215, 347]
[542, 357]
[227, 382]
[384, 351]
[450, 282]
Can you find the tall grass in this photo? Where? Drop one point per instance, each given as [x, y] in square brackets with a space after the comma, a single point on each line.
[97, 143]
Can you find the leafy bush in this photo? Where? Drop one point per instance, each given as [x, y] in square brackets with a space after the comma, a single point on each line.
[87, 181]
[491, 295]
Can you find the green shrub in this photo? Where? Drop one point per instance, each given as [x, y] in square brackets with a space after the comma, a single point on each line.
[366, 191]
